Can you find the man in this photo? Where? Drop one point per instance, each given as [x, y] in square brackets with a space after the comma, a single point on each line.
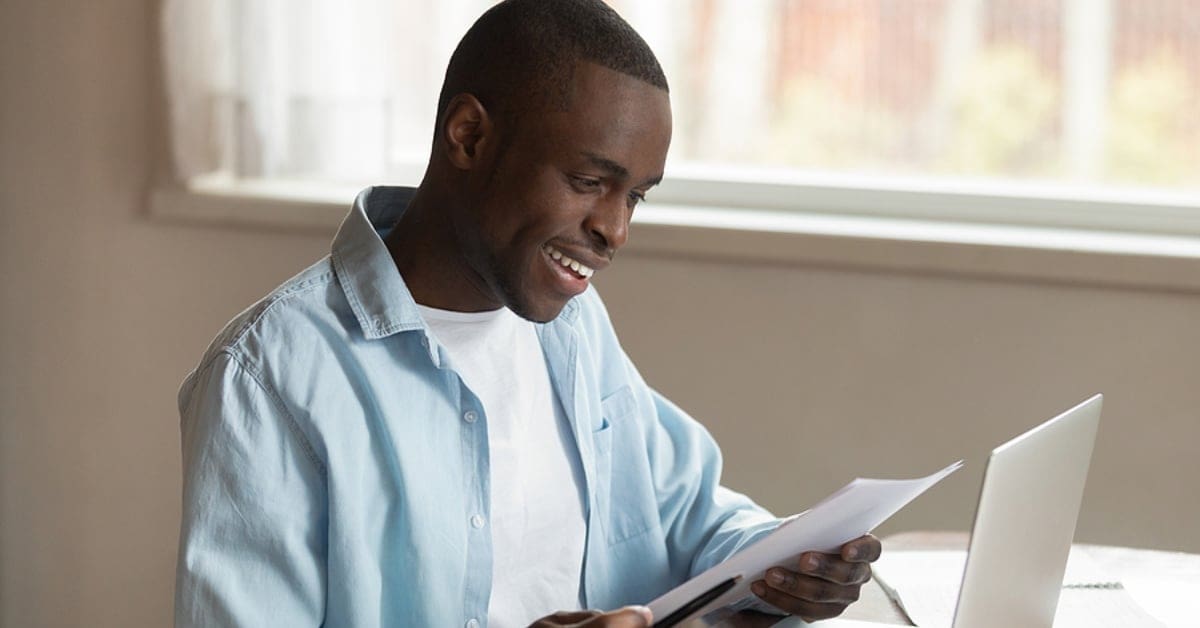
[436, 425]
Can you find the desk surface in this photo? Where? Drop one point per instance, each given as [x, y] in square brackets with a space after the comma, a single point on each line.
[1163, 583]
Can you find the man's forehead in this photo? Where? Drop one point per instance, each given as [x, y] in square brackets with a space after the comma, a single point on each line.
[587, 76]
[609, 97]
[616, 123]
[560, 86]
[595, 94]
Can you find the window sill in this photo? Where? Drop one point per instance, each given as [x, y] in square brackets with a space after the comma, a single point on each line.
[870, 243]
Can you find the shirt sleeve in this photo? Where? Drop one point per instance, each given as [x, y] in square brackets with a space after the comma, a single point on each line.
[705, 522]
[252, 536]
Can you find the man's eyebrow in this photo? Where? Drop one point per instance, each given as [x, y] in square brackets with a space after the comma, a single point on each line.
[611, 167]
[615, 169]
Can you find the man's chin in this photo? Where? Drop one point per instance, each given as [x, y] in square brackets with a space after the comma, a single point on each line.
[540, 312]
[532, 300]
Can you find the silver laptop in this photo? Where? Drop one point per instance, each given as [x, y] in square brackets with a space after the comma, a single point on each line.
[1024, 524]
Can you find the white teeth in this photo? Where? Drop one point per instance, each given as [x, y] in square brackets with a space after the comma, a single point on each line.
[566, 262]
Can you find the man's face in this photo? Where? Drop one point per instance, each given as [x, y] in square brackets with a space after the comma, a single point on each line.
[553, 206]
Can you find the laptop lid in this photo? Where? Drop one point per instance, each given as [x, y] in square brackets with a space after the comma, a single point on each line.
[1024, 525]
[1025, 522]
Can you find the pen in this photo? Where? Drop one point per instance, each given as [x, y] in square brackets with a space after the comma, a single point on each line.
[696, 604]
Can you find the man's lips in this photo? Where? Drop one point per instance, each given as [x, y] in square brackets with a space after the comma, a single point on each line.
[571, 263]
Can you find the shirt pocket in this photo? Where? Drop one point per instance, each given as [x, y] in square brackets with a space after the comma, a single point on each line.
[624, 497]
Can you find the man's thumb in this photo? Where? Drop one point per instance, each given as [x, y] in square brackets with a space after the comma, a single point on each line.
[637, 613]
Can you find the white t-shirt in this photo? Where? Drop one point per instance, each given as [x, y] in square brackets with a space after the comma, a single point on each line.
[537, 522]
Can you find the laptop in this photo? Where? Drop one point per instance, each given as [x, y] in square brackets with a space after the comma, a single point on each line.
[1024, 525]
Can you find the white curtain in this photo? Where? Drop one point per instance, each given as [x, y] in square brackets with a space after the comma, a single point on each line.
[345, 91]
[335, 90]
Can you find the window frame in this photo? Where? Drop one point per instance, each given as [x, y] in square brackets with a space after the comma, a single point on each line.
[823, 221]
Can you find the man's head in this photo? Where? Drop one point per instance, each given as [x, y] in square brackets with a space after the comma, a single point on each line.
[554, 120]
[519, 57]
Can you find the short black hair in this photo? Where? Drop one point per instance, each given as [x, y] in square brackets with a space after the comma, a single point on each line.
[521, 54]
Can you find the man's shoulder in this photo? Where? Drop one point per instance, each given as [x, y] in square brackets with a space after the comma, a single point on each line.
[308, 300]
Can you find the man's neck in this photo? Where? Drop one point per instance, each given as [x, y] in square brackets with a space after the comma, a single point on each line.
[429, 257]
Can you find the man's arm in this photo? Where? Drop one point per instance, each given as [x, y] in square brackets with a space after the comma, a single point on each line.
[705, 522]
[717, 523]
[252, 538]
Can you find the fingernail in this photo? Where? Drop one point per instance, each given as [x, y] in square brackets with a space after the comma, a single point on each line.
[644, 611]
[851, 553]
[811, 562]
[775, 577]
[758, 588]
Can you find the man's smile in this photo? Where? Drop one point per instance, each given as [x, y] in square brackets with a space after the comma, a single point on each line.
[570, 276]
[571, 263]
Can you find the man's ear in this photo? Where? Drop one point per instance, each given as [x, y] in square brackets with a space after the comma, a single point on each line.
[466, 130]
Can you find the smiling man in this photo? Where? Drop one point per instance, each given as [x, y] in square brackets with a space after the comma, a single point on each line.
[436, 425]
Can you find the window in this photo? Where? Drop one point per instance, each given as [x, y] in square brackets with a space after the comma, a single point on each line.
[1088, 100]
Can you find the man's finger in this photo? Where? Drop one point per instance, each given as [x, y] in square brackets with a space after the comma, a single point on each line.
[832, 568]
[808, 610]
[864, 549]
[812, 589]
[564, 618]
[627, 617]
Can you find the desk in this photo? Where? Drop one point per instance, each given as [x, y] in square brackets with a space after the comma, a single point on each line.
[1165, 584]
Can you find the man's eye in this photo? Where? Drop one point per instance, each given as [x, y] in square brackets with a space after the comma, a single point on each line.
[636, 197]
[584, 183]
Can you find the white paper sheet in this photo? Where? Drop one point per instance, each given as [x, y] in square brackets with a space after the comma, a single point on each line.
[852, 511]
[926, 584]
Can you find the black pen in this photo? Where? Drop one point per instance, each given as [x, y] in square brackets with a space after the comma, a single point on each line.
[696, 604]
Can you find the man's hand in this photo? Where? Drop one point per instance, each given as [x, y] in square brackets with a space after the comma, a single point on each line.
[825, 583]
[628, 617]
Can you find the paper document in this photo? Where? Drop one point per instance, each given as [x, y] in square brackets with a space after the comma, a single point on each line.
[852, 511]
[925, 585]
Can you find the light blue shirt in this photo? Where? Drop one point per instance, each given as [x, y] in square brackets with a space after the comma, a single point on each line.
[336, 472]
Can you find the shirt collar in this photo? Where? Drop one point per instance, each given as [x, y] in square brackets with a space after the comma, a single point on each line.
[367, 274]
[377, 293]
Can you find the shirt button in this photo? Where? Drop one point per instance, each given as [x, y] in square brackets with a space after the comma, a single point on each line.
[472, 623]
[469, 416]
[476, 521]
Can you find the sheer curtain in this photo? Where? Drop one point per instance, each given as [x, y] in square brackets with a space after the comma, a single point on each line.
[1072, 91]
[335, 90]
[345, 91]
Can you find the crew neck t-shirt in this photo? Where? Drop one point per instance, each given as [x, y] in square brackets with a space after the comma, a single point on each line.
[537, 521]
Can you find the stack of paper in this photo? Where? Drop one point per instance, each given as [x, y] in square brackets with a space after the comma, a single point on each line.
[847, 514]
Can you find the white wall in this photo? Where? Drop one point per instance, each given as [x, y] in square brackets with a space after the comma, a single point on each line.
[807, 375]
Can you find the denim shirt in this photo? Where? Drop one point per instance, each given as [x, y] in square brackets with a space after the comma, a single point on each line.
[336, 471]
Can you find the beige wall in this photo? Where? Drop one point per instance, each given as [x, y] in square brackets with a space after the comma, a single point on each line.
[102, 315]
[807, 375]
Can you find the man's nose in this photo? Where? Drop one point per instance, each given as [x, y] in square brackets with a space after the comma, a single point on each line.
[608, 223]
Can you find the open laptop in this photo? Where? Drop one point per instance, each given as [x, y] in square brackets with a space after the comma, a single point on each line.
[1024, 524]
